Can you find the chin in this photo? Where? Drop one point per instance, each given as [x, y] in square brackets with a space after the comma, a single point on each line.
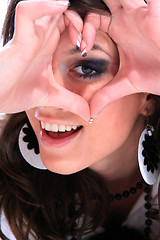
[61, 166]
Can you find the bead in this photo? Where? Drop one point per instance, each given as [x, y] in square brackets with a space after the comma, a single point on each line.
[133, 190]
[147, 190]
[125, 194]
[147, 230]
[118, 196]
[148, 222]
[147, 214]
[147, 198]
[139, 185]
[148, 205]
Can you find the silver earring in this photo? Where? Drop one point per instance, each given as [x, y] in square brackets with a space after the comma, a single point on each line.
[148, 160]
[28, 146]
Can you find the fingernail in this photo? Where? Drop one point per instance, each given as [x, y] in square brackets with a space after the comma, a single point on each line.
[84, 52]
[92, 118]
[78, 45]
[84, 49]
[79, 39]
[65, 3]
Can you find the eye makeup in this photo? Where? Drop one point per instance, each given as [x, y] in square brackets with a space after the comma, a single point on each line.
[89, 69]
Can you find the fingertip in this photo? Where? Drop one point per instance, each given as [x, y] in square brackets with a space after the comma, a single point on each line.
[96, 109]
[83, 48]
[63, 3]
[79, 41]
[75, 37]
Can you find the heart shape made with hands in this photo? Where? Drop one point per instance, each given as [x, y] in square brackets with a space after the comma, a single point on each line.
[47, 23]
[38, 75]
[38, 27]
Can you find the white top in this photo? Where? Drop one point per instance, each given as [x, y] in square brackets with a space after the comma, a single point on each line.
[136, 218]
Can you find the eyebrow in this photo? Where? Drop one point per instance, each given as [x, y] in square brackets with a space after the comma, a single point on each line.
[95, 47]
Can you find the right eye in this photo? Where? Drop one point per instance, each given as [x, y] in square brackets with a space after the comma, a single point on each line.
[90, 69]
[85, 71]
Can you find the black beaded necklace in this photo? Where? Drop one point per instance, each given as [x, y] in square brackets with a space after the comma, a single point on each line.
[147, 205]
[126, 193]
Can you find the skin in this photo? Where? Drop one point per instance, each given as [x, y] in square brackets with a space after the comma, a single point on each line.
[111, 141]
[138, 41]
[109, 145]
[28, 56]
[41, 67]
[139, 71]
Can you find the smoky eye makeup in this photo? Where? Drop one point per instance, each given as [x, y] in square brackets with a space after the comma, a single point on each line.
[89, 69]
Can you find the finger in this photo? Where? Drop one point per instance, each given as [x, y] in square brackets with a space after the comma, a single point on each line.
[27, 12]
[113, 5]
[62, 98]
[105, 22]
[75, 36]
[37, 9]
[153, 8]
[75, 19]
[75, 26]
[114, 90]
[132, 4]
[91, 25]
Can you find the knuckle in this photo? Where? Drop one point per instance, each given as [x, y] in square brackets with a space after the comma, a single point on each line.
[21, 8]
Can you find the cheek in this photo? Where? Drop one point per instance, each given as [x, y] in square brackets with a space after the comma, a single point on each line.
[115, 124]
[82, 88]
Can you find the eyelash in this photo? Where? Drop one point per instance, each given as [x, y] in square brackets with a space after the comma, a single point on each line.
[92, 74]
[97, 68]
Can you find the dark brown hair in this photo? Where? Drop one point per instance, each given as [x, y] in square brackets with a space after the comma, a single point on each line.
[45, 204]
[43, 201]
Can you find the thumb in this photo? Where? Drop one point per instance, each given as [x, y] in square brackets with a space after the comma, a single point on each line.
[62, 98]
[117, 88]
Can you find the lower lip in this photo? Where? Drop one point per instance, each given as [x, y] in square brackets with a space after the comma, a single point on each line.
[57, 143]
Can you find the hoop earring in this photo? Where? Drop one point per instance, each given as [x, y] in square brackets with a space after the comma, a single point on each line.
[28, 146]
[148, 160]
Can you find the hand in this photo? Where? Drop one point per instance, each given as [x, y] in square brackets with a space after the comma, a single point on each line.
[26, 75]
[134, 28]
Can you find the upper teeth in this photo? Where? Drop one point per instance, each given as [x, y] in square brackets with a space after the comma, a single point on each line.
[58, 128]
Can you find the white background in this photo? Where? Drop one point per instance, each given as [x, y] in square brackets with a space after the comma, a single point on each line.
[3, 9]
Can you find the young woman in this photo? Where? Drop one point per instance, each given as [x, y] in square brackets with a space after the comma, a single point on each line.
[61, 175]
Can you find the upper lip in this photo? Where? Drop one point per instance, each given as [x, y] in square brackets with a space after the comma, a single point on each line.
[58, 121]
[59, 117]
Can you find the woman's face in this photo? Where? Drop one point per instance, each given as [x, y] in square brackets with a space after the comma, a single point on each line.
[67, 143]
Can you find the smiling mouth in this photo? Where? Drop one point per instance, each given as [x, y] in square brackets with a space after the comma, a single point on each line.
[60, 131]
[58, 135]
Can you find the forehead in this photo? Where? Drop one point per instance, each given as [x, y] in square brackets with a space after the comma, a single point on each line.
[103, 44]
